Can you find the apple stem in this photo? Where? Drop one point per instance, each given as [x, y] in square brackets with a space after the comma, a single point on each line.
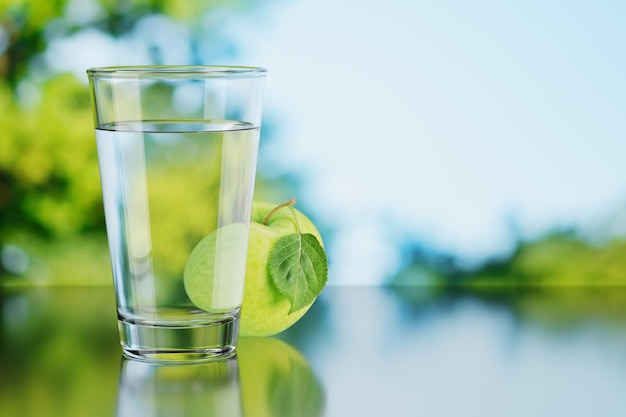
[287, 203]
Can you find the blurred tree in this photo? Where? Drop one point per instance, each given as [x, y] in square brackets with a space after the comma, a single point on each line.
[559, 259]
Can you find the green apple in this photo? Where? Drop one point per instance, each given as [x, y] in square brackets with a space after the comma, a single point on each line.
[285, 269]
[265, 310]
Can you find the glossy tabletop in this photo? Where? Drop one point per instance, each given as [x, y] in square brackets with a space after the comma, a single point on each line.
[360, 351]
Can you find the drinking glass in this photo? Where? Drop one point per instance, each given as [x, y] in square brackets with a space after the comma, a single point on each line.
[177, 150]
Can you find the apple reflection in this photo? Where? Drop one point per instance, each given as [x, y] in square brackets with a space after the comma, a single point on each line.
[276, 380]
[268, 377]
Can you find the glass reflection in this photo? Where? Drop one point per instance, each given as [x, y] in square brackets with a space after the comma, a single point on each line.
[153, 390]
[268, 377]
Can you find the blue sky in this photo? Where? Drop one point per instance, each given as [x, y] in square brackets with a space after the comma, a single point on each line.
[462, 125]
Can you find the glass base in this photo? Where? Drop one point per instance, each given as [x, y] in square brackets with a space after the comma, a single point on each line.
[179, 342]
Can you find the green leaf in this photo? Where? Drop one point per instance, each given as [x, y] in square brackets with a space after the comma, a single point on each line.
[299, 268]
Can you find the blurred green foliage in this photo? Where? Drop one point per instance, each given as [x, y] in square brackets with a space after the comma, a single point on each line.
[558, 259]
[50, 193]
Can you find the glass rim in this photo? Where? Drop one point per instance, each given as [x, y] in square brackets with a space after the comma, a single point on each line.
[176, 71]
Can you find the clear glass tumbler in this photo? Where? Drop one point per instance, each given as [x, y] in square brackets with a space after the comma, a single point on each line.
[177, 150]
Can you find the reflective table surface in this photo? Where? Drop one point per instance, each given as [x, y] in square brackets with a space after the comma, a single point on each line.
[360, 351]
